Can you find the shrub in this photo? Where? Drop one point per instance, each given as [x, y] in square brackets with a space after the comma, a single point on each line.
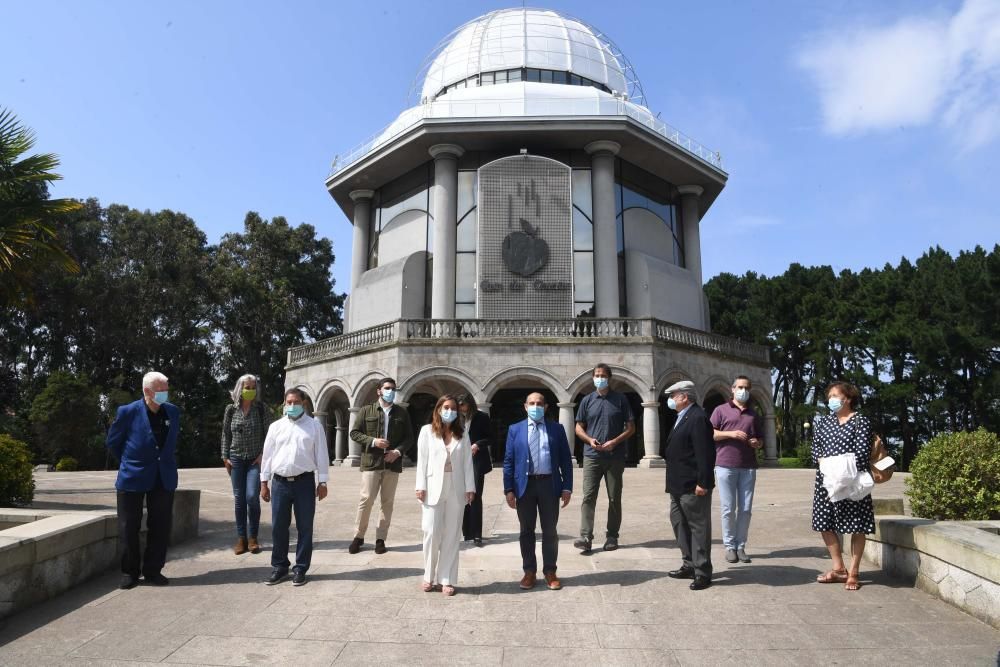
[789, 462]
[68, 464]
[17, 486]
[957, 476]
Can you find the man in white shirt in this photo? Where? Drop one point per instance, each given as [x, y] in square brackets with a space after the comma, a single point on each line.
[294, 469]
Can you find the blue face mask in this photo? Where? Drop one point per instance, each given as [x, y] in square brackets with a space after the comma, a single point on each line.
[601, 383]
[448, 416]
[536, 413]
[160, 397]
[835, 404]
[294, 411]
[672, 404]
[388, 395]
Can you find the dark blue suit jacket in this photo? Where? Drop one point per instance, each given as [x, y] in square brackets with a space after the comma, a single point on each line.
[131, 440]
[515, 459]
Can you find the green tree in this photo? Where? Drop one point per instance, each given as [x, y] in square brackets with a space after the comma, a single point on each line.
[28, 236]
[66, 420]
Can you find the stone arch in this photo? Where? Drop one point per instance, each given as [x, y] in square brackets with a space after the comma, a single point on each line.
[331, 388]
[432, 373]
[334, 403]
[364, 386]
[514, 373]
[762, 398]
[670, 376]
[713, 392]
[311, 403]
[582, 384]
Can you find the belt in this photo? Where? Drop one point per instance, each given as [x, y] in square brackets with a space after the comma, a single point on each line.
[539, 476]
[293, 478]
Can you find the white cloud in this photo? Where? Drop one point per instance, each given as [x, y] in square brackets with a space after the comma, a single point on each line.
[919, 70]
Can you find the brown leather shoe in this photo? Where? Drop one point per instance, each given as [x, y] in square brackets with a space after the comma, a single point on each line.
[552, 581]
[527, 581]
[253, 545]
[355, 545]
[240, 547]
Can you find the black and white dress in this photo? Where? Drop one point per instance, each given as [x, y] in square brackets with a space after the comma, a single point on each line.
[831, 438]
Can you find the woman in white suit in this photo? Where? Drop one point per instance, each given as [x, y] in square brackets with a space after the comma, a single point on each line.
[445, 484]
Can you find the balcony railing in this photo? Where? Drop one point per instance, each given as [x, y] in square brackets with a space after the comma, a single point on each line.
[570, 331]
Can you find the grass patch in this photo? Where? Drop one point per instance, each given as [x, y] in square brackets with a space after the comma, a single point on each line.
[790, 462]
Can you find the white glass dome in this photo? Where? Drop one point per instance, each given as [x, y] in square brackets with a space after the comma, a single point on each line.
[539, 39]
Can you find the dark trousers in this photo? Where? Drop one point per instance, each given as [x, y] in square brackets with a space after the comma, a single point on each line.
[159, 516]
[472, 522]
[611, 471]
[298, 496]
[691, 517]
[539, 502]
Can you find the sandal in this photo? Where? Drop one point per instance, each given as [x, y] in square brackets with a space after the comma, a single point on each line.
[852, 583]
[426, 587]
[833, 577]
[448, 590]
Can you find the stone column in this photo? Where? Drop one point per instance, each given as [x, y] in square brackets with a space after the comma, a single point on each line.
[691, 219]
[353, 459]
[445, 194]
[651, 436]
[340, 446]
[770, 441]
[362, 225]
[567, 418]
[602, 156]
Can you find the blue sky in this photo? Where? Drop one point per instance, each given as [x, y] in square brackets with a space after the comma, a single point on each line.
[854, 132]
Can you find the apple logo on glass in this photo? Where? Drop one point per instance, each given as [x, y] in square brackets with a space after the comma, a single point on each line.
[525, 252]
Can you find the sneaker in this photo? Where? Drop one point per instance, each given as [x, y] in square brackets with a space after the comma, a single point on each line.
[276, 577]
[128, 581]
[583, 544]
[731, 556]
[355, 545]
[742, 555]
[299, 579]
[611, 544]
[380, 547]
[156, 579]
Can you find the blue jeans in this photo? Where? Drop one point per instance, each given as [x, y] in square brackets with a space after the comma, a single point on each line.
[246, 493]
[736, 499]
[298, 496]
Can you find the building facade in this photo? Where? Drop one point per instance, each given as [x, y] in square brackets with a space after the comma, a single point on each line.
[525, 220]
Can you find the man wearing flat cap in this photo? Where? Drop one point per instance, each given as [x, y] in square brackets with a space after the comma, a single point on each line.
[690, 456]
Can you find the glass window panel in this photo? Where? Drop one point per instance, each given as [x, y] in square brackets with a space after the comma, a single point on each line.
[631, 198]
[583, 276]
[466, 192]
[583, 197]
[678, 253]
[559, 77]
[486, 79]
[415, 200]
[465, 277]
[514, 75]
[583, 231]
[534, 74]
[402, 236]
[467, 232]
[583, 309]
[500, 77]
[465, 311]
[546, 76]
[575, 80]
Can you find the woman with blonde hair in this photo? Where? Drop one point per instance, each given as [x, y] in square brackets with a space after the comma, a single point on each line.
[244, 426]
[445, 484]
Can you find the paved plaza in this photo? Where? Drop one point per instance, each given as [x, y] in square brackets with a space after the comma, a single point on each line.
[615, 608]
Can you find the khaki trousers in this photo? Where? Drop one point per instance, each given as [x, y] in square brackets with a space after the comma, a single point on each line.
[376, 483]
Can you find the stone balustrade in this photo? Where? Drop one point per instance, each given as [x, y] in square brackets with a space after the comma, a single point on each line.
[569, 330]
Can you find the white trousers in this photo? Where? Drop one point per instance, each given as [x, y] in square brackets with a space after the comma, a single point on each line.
[442, 526]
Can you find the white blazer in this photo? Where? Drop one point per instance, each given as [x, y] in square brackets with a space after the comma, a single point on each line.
[431, 457]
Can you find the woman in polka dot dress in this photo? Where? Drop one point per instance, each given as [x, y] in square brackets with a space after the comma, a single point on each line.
[844, 431]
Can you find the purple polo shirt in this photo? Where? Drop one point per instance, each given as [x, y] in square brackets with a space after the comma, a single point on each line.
[733, 453]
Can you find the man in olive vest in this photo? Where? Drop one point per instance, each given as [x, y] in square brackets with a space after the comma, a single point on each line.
[383, 429]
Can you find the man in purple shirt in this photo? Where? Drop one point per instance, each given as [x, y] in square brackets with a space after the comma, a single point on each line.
[737, 440]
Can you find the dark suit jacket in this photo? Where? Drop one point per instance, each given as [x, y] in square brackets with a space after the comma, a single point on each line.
[481, 433]
[131, 440]
[690, 453]
[515, 459]
[370, 424]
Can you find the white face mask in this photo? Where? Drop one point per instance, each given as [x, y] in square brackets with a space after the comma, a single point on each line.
[448, 416]
[741, 395]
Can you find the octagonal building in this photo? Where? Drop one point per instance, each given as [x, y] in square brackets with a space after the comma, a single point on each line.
[525, 219]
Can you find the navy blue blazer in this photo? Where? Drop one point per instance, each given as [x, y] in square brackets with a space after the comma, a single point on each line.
[131, 439]
[515, 459]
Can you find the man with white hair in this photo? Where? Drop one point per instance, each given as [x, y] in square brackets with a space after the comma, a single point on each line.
[690, 455]
[144, 438]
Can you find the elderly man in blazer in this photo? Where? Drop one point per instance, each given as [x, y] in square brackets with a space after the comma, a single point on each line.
[690, 455]
[144, 438]
[537, 472]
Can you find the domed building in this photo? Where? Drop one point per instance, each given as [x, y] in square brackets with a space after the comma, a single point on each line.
[525, 219]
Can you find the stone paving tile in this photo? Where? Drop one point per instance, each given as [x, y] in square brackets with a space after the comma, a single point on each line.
[129, 645]
[325, 604]
[388, 629]
[46, 641]
[362, 653]
[702, 635]
[240, 624]
[547, 635]
[533, 656]
[436, 606]
[240, 651]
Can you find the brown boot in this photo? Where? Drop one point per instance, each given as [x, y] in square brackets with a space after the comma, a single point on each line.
[240, 547]
[254, 545]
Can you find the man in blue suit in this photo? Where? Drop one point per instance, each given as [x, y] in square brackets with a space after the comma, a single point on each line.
[144, 438]
[537, 472]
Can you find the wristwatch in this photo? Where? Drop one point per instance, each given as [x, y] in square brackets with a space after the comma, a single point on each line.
[322, 484]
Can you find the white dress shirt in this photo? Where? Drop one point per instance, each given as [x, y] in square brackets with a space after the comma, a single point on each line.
[293, 447]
